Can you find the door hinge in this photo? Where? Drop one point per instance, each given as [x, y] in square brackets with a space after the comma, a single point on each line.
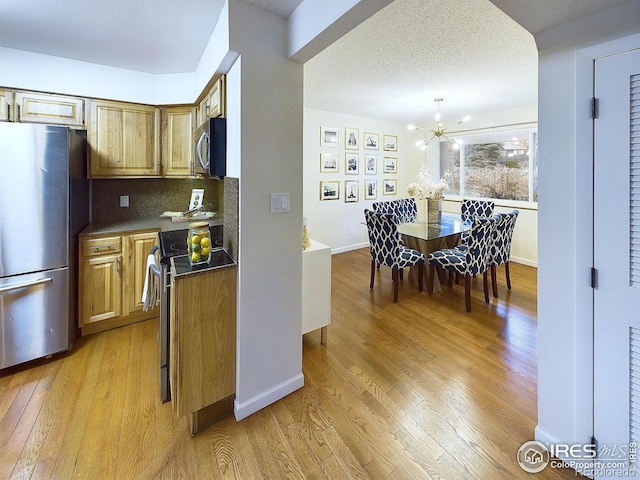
[594, 277]
[594, 108]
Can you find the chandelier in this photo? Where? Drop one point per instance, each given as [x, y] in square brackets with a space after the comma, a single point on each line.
[439, 131]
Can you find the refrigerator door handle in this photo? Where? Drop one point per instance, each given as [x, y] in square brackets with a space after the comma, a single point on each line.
[26, 284]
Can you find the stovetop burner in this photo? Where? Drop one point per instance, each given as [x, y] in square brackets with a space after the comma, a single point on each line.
[174, 242]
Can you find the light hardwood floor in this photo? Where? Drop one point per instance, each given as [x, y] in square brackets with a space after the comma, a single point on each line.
[415, 390]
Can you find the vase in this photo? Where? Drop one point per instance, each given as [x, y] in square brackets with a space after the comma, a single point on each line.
[434, 210]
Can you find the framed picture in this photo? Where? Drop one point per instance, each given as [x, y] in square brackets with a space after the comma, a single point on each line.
[389, 186]
[329, 162]
[370, 189]
[370, 164]
[371, 141]
[390, 143]
[329, 137]
[329, 190]
[351, 136]
[390, 165]
[351, 163]
[351, 191]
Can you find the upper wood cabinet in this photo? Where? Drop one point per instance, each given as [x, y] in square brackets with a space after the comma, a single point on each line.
[177, 147]
[213, 103]
[5, 105]
[33, 107]
[124, 140]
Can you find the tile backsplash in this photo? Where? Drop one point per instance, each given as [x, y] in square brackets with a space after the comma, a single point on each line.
[151, 197]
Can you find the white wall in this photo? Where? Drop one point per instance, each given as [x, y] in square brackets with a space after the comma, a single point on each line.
[565, 311]
[330, 222]
[270, 260]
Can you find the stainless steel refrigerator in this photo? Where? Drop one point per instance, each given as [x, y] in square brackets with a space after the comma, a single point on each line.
[44, 204]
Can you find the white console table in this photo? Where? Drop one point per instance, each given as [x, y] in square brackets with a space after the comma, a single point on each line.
[316, 289]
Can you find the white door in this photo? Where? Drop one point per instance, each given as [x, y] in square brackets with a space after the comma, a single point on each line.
[617, 257]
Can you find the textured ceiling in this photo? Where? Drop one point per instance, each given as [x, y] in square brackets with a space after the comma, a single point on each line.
[395, 63]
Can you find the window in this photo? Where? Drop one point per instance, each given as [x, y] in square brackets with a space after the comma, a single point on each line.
[502, 166]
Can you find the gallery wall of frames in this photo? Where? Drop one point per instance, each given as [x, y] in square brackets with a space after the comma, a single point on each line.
[358, 164]
[350, 162]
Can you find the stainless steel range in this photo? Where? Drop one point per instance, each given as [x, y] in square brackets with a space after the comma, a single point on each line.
[171, 244]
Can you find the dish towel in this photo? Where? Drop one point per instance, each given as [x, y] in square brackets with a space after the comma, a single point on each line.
[150, 290]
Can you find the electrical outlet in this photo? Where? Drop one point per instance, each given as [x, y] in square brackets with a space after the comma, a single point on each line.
[124, 200]
[350, 232]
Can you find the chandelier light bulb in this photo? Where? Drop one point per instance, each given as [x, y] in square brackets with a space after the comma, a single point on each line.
[438, 116]
[466, 118]
[423, 147]
[411, 127]
[419, 143]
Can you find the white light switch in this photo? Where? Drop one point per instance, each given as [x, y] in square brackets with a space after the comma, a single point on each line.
[279, 202]
[124, 200]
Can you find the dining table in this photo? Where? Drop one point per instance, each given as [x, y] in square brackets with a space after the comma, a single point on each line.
[427, 237]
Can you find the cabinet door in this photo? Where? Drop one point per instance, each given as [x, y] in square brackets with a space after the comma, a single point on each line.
[177, 143]
[99, 289]
[213, 104]
[136, 251]
[5, 105]
[124, 140]
[203, 339]
[49, 109]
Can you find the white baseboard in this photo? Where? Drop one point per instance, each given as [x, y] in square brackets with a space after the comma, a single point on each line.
[348, 248]
[525, 261]
[267, 398]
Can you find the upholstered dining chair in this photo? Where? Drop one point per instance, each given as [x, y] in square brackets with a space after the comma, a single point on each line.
[386, 249]
[405, 209]
[468, 262]
[476, 208]
[501, 247]
[470, 209]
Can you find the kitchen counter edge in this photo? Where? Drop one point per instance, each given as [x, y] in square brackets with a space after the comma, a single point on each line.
[162, 224]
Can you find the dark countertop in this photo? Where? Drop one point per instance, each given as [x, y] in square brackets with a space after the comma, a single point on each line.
[218, 259]
[157, 223]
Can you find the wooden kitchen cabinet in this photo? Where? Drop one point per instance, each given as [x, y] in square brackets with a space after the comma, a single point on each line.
[112, 274]
[35, 107]
[177, 145]
[6, 99]
[135, 252]
[100, 280]
[213, 103]
[31, 107]
[202, 339]
[124, 140]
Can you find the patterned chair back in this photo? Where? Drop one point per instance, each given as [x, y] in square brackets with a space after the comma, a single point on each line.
[405, 209]
[476, 208]
[479, 243]
[501, 245]
[384, 241]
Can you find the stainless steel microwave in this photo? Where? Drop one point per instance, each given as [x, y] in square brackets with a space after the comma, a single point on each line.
[210, 148]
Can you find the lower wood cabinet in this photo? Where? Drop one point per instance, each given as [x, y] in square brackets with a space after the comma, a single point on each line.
[111, 280]
[202, 339]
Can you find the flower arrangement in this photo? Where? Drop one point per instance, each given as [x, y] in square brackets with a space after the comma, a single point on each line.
[425, 187]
